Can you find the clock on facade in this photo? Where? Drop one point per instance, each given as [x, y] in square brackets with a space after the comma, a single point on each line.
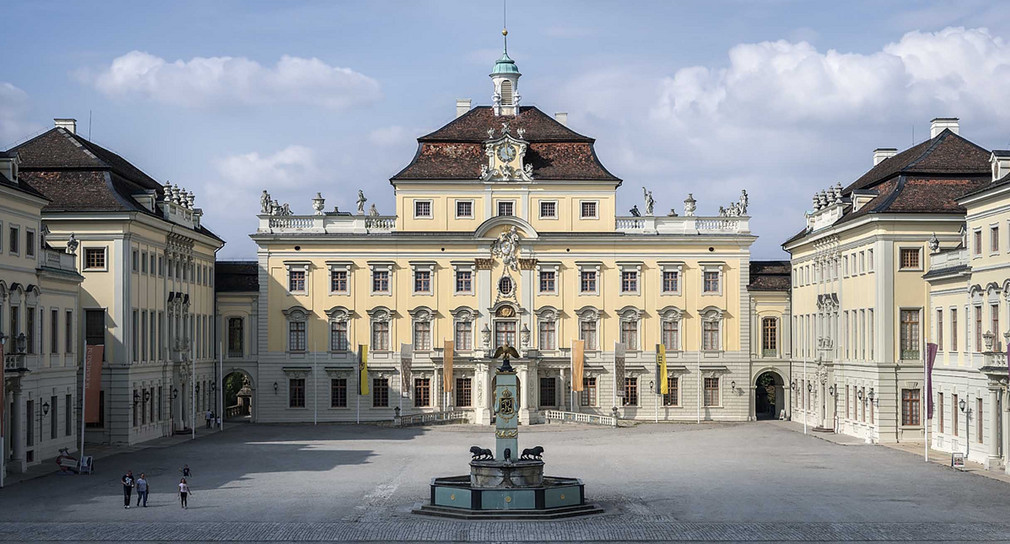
[506, 153]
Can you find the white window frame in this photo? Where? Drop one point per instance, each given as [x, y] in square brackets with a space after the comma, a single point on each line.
[713, 315]
[300, 266]
[431, 208]
[10, 247]
[498, 205]
[540, 209]
[30, 248]
[380, 267]
[630, 314]
[550, 267]
[459, 316]
[590, 267]
[344, 267]
[463, 266]
[293, 315]
[423, 267]
[636, 269]
[677, 268]
[672, 314]
[338, 314]
[105, 259]
[596, 209]
[589, 315]
[461, 201]
[380, 315]
[426, 316]
[713, 267]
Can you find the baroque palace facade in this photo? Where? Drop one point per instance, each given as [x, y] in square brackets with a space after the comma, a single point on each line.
[506, 232]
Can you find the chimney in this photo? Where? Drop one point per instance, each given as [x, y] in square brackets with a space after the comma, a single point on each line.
[9, 165]
[70, 125]
[882, 153]
[1000, 160]
[561, 117]
[937, 125]
[462, 106]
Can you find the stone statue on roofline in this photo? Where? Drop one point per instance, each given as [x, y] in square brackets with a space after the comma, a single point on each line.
[265, 202]
[361, 202]
[373, 211]
[634, 211]
[650, 202]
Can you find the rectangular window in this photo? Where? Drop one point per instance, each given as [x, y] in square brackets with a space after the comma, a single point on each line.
[548, 335]
[30, 329]
[939, 412]
[548, 209]
[994, 319]
[954, 417]
[710, 335]
[422, 392]
[630, 392]
[464, 209]
[68, 331]
[143, 336]
[910, 407]
[978, 329]
[68, 415]
[848, 404]
[296, 393]
[464, 335]
[588, 210]
[869, 260]
[14, 242]
[910, 258]
[464, 392]
[161, 334]
[136, 261]
[862, 262]
[422, 208]
[588, 281]
[380, 335]
[629, 281]
[380, 392]
[505, 207]
[769, 336]
[152, 338]
[380, 281]
[161, 265]
[30, 247]
[953, 329]
[422, 281]
[338, 393]
[338, 281]
[910, 334]
[143, 262]
[547, 283]
[296, 336]
[939, 328]
[711, 391]
[235, 337]
[464, 281]
[588, 395]
[671, 281]
[422, 335]
[548, 392]
[672, 396]
[54, 331]
[338, 336]
[994, 239]
[629, 333]
[671, 334]
[978, 242]
[54, 417]
[296, 281]
[160, 401]
[711, 281]
[504, 332]
[978, 420]
[587, 333]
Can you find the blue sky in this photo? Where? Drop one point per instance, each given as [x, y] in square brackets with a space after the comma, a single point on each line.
[781, 97]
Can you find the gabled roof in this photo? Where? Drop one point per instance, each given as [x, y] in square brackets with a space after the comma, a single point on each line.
[926, 178]
[456, 151]
[770, 276]
[76, 174]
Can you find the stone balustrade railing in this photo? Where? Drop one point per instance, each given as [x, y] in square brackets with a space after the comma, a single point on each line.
[59, 260]
[948, 259]
[579, 417]
[431, 418]
[683, 225]
[326, 224]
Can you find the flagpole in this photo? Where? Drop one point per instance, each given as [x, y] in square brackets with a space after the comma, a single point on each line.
[192, 388]
[220, 383]
[3, 415]
[315, 385]
[924, 406]
[699, 385]
[803, 394]
[84, 386]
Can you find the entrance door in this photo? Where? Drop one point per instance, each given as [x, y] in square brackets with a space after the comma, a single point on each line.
[769, 396]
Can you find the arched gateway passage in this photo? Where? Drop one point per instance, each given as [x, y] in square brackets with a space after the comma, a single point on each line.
[238, 396]
[769, 395]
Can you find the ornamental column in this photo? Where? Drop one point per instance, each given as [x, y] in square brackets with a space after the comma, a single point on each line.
[17, 430]
[993, 456]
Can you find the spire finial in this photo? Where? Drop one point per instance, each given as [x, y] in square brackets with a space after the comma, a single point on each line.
[505, 24]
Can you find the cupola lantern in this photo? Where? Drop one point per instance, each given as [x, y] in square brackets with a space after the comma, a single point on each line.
[505, 76]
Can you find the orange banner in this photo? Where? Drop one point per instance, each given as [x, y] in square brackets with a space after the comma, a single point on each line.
[447, 365]
[93, 382]
[578, 363]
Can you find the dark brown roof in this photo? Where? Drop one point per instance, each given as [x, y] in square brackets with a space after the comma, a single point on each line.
[925, 178]
[236, 276]
[78, 175]
[456, 151]
[770, 276]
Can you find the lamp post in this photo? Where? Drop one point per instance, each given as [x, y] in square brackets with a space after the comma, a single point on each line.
[3, 402]
[967, 425]
[655, 396]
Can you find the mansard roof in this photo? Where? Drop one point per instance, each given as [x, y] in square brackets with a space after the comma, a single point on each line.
[236, 276]
[456, 151]
[926, 178]
[770, 276]
[76, 174]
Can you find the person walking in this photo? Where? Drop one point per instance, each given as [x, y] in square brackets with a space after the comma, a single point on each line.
[184, 492]
[186, 473]
[142, 489]
[208, 416]
[127, 481]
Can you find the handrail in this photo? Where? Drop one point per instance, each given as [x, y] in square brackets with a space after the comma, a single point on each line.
[431, 417]
[579, 417]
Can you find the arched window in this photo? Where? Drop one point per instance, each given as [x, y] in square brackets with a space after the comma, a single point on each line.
[670, 318]
[297, 331]
[589, 319]
[422, 329]
[463, 328]
[380, 320]
[340, 319]
[506, 93]
[547, 329]
[711, 329]
[630, 318]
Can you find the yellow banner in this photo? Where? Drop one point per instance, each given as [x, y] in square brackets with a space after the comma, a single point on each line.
[447, 365]
[363, 370]
[664, 383]
[578, 356]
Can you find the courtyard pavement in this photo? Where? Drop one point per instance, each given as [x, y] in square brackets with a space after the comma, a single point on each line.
[657, 482]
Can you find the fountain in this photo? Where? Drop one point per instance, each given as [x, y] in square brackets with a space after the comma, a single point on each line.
[501, 484]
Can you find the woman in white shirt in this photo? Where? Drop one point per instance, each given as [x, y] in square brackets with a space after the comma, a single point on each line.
[183, 492]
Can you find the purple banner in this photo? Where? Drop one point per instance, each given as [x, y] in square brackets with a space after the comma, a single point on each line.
[930, 359]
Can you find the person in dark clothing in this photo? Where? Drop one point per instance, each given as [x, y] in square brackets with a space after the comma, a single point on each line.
[128, 483]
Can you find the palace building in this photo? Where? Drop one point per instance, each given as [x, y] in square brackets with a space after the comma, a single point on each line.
[506, 231]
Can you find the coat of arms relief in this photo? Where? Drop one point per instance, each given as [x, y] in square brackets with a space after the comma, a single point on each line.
[506, 157]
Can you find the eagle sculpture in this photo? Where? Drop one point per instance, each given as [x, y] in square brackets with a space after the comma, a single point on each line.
[505, 351]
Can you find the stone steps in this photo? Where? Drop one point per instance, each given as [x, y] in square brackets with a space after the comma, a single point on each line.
[553, 513]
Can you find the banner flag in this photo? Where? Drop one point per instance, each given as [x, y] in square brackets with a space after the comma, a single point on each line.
[93, 382]
[447, 366]
[619, 354]
[1008, 361]
[930, 359]
[661, 373]
[406, 356]
[578, 364]
[363, 369]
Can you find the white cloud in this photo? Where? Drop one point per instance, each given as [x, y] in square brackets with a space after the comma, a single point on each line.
[289, 167]
[784, 119]
[205, 81]
[391, 136]
[14, 105]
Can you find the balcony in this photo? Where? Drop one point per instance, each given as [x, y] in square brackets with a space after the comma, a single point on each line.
[326, 224]
[950, 258]
[683, 225]
[58, 260]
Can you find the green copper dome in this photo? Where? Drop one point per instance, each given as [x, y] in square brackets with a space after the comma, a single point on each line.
[505, 65]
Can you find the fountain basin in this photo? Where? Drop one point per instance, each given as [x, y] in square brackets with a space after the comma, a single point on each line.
[498, 474]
